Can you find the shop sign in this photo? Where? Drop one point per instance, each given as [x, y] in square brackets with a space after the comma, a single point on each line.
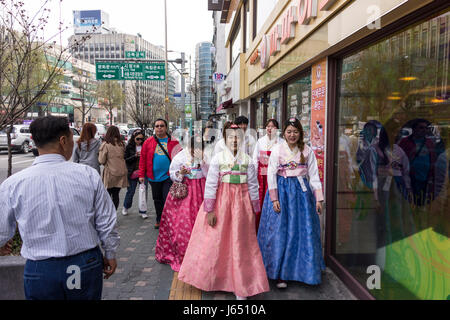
[284, 32]
[275, 40]
[218, 77]
[255, 56]
[264, 52]
[290, 19]
[318, 103]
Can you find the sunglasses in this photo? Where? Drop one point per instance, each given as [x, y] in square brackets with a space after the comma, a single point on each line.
[139, 139]
[160, 126]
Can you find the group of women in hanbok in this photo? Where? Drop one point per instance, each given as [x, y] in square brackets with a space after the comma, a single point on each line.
[209, 236]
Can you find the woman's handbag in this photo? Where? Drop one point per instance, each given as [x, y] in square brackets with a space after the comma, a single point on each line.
[142, 198]
[179, 190]
[134, 175]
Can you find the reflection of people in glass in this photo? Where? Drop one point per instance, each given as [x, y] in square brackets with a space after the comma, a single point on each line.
[421, 153]
[391, 186]
[346, 196]
[368, 138]
[441, 204]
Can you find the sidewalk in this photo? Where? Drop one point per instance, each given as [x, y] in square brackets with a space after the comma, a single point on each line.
[140, 277]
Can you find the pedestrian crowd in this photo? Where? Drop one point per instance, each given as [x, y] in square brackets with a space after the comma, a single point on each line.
[232, 211]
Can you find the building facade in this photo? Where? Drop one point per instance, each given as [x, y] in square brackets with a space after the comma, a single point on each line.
[219, 67]
[204, 84]
[369, 82]
[113, 45]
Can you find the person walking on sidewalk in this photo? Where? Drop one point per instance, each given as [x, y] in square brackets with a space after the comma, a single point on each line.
[111, 156]
[156, 155]
[179, 214]
[261, 155]
[132, 156]
[289, 230]
[87, 147]
[223, 252]
[63, 212]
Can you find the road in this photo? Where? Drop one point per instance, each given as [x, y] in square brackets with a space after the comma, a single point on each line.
[20, 161]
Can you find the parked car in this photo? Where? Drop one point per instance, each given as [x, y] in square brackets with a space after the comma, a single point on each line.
[101, 131]
[76, 136]
[20, 139]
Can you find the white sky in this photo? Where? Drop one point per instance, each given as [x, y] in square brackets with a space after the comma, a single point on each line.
[188, 21]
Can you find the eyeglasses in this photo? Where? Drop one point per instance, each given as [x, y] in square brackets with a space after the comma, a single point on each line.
[160, 126]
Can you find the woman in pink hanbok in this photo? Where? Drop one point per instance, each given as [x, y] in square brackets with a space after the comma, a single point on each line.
[179, 215]
[261, 156]
[223, 252]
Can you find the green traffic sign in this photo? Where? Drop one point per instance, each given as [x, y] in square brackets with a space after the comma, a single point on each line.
[135, 54]
[130, 71]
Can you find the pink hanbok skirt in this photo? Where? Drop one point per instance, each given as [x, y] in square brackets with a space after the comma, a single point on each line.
[226, 257]
[176, 224]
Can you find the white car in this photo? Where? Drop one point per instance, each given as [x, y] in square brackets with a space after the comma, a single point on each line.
[20, 138]
[101, 131]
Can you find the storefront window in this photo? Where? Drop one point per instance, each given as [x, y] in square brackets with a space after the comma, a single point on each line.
[299, 102]
[260, 117]
[393, 168]
[275, 105]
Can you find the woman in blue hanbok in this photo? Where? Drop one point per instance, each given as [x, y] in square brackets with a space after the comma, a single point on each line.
[289, 231]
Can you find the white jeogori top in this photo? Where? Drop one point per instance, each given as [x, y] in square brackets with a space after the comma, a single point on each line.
[264, 144]
[286, 163]
[184, 158]
[227, 168]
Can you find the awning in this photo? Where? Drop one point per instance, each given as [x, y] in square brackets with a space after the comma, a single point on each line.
[225, 105]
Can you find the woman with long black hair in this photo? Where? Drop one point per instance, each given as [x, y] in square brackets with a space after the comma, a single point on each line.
[132, 157]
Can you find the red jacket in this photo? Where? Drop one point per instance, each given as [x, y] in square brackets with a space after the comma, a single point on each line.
[147, 153]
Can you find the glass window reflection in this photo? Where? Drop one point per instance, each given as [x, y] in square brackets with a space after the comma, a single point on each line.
[393, 187]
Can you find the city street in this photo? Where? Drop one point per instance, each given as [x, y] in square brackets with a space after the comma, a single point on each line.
[327, 122]
[20, 161]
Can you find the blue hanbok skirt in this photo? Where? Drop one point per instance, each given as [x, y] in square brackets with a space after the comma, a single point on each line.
[290, 240]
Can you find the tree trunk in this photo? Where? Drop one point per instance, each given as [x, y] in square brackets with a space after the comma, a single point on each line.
[83, 113]
[8, 135]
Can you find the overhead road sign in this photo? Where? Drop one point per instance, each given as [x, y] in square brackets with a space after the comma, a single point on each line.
[135, 54]
[130, 71]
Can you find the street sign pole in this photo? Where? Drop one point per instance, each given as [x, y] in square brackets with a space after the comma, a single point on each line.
[167, 80]
[183, 101]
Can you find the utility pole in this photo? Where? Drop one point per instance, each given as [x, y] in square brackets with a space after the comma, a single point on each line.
[166, 100]
[183, 102]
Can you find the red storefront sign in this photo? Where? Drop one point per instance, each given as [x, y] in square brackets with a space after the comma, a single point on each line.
[318, 113]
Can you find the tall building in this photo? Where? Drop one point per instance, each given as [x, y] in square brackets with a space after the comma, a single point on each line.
[219, 68]
[204, 83]
[111, 45]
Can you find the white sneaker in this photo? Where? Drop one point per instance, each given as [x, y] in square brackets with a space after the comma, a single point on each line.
[144, 216]
[281, 285]
[240, 298]
[124, 212]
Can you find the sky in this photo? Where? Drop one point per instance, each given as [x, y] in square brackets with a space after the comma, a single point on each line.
[188, 21]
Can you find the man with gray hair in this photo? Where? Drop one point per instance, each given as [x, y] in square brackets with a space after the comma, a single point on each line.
[63, 212]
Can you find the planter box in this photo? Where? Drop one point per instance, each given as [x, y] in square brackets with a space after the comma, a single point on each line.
[11, 278]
